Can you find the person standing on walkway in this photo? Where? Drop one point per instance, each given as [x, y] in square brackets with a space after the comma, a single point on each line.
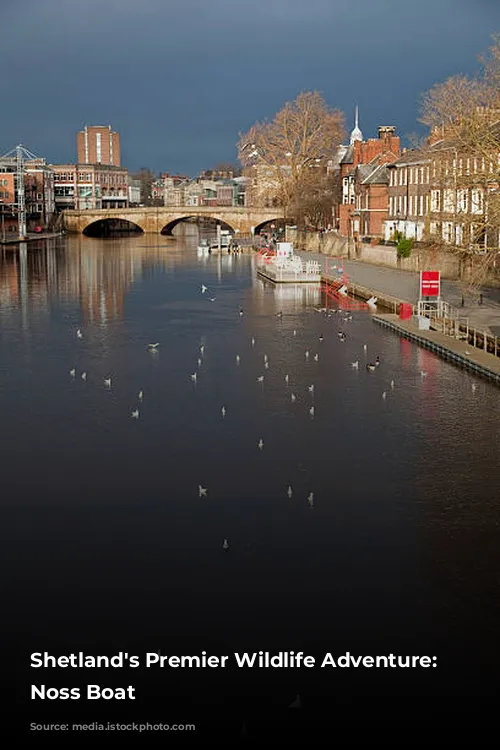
[480, 298]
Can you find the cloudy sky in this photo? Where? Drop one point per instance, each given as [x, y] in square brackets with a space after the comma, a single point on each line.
[180, 78]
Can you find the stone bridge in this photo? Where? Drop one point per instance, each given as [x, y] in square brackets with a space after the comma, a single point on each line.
[163, 219]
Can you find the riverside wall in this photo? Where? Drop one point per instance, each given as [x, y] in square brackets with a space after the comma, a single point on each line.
[452, 266]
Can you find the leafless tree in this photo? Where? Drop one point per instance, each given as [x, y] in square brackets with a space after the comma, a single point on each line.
[463, 114]
[286, 159]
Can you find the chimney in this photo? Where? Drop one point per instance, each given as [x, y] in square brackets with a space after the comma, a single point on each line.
[386, 131]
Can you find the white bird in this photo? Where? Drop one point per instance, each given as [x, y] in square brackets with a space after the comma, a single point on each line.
[260, 379]
[225, 544]
[311, 411]
[203, 288]
[199, 361]
[355, 365]
[474, 386]
[310, 388]
[153, 347]
[140, 395]
[321, 338]
[265, 357]
[202, 491]
[384, 395]
[289, 491]
[241, 313]
[260, 444]
[84, 376]
[392, 383]
[72, 372]
[294, 332]
[135, 414]
[316, 357]
[310, 500]
[253, 341]
[237, 359]
[292, 398]
[286, 379]
[212, 299]
[423, 373]
[202, 349]
[107, 382]
[266, 365]
[223, 411]
[307, 355]
[365, 347]
[467, 351]
[79, 334]
[194, 377]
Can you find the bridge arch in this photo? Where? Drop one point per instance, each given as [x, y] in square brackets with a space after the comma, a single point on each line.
[170, 226]
[112, 226]
[279, 222]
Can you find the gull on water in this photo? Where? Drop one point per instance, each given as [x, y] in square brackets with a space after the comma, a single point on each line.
[310, 500]
[384, 395]
[237, 359]
[355, 365]
[286, 379]
[153, 347]
[279, 315]
[294, 332]
[265, 357]
[107, 381]
[202, 349]
[194, 377]
[423, 373]
[223, 411]
[241, 312]
[260, 444]
[135, 414]
[307, 355]
[266, 365]
[260, 379]
[392, 383]
[292, 398]
[371, 367]
[311, 411]
[202, 491]
[140, 395]
[203, 288]
[316, 357]
[365, 347]
[212, 299]
[253, 341]
[225, 544]
[79, 334]
[84, 376]
[199, 361]
[310, 388]
[72, 372]
[289, 491]
[321, 338]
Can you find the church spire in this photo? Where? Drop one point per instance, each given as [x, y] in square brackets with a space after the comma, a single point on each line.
[356, 134]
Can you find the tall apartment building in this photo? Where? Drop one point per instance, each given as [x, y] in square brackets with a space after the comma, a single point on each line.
[98, 144]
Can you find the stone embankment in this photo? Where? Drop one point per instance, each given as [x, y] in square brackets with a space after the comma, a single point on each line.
[455, 266]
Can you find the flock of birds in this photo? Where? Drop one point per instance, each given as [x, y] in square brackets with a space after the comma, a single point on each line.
[344, 315]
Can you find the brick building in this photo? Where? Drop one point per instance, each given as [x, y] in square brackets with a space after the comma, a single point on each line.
[90, 186]
[364, 191]
[98, 144]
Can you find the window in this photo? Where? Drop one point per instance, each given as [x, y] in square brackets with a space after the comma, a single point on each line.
[404, 205]
[448, 201]
[435, 200]
[422, 205]
[88, 177]
[476, 201]
[462, 201]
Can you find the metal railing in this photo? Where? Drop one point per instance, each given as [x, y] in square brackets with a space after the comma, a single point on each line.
[447, 320]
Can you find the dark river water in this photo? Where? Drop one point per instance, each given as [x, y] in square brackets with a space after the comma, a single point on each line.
[109, 547]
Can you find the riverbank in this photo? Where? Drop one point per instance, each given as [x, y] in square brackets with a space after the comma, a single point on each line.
[32, 237]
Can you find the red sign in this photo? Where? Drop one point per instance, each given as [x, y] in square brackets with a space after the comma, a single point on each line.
[429, 284]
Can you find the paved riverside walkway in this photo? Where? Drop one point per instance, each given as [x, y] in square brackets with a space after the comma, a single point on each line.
[404, 285]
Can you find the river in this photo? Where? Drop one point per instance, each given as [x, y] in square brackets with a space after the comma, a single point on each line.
[110, 546]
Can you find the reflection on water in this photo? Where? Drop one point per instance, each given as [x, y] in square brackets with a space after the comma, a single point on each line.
[113, 543]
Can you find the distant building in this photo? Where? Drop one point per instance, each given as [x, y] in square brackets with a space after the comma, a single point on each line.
[98, 144]
[38, 194]
[90, 186]
[134, 192]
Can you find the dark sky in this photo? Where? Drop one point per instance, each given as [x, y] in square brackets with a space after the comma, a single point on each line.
[180, 78]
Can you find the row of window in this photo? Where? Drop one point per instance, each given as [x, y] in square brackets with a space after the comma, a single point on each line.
[409, 176]
[111, 179]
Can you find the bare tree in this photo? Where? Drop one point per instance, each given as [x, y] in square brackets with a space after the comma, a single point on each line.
[463, 151]
[284, 158]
